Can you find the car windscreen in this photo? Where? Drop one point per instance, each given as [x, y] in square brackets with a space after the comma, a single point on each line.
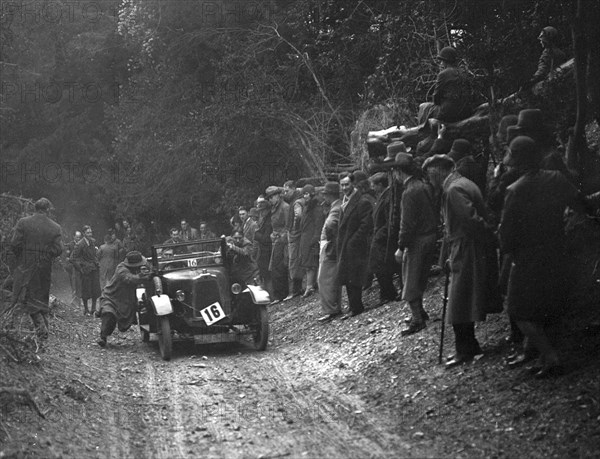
[190, 254]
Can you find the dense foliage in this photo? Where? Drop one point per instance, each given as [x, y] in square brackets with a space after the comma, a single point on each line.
[204, 104]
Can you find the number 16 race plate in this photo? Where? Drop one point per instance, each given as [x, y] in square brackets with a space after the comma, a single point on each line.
[212, 313]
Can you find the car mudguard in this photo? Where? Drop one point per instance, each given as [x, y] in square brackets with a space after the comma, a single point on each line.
[258, 294]
[162, 304]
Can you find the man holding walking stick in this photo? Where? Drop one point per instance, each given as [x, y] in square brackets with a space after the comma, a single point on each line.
[463, 212]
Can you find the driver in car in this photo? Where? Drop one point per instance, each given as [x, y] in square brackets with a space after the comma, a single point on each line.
[118, 303]
[241, 254]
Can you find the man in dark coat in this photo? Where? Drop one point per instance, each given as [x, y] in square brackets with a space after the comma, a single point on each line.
[381, 254]
[311, 224]
[451, 102]
[74, 275]
[463, 211]
[118, 303]
[356, 225]
[86, 260]
[467, 164]
[279, 237]
[35, 243]
[241, 253]
[263, 237]
[416, 238]
[532, 230]
[551, 57]
[293, 196]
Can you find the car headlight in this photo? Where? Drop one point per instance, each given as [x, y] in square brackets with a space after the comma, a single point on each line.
[236, 289]
[180, 295]
[218, 260]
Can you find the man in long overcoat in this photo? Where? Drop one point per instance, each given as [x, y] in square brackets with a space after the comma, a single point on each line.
[355, 228]
[416, 238]
[293, 196]
[311, 224]
[279, 237]
[263, 237]
[330, 290]
[108, 259]
[86, 261]
[118, 303]
[35, 243]
[384, 240]
[463, 211]
[451, 103]
[532, 230]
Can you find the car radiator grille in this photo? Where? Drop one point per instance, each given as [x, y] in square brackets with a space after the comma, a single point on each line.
[206, 292]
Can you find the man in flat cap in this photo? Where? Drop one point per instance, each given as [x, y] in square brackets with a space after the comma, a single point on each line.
[279, 237]
[35, 243]
[464, 214]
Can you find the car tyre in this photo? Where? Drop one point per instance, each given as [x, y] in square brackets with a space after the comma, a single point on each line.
[261, 328]
[165, 340]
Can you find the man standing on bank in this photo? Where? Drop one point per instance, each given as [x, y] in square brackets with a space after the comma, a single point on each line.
[35, 243]
[118, 302]
[355, 228]
[463, 211]
[416, 238]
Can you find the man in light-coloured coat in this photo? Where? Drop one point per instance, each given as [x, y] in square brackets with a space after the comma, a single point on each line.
[330, 290]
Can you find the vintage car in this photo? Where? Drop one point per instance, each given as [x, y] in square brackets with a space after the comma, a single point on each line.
[191, 296]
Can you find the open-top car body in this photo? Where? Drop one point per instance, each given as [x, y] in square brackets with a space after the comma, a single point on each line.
[191, 296]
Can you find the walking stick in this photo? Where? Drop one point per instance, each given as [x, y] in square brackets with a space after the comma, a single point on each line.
[445, 303]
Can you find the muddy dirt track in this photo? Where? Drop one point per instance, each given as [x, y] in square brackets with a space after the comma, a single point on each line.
[220, 400]
[348, 389]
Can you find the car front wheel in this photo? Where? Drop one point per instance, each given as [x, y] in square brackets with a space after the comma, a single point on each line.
[261, 328]
[165, 340]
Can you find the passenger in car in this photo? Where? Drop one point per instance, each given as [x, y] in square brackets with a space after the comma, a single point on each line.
[241, 253]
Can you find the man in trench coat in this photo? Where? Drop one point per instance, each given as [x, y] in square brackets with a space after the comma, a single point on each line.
[118, 302]
[356, 225]
[35, 243]
[464, 213]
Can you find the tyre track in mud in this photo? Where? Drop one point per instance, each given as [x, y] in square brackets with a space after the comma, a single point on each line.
[227, 401]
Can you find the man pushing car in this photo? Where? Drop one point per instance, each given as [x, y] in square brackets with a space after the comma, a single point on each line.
[118, 303]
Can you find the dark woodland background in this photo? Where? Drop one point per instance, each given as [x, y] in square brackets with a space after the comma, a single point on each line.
[155, 110]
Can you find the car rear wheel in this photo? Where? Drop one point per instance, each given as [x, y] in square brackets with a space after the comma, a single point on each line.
[165, 341]
[261, 328]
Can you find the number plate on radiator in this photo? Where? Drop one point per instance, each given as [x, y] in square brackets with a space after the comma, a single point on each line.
[212, 313]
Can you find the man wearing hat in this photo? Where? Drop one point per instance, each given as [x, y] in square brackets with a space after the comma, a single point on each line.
[330, 290]
[531, 123]
[449, 97]
[311, 224]
[532, 231]
[279, 237]
[118, 302]
[466, 164]
[384, 240]
[463, 211]
[551, 57]
[295, 199]
[416, 238]
[263, 237]
[35, 243]
[354, 230]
